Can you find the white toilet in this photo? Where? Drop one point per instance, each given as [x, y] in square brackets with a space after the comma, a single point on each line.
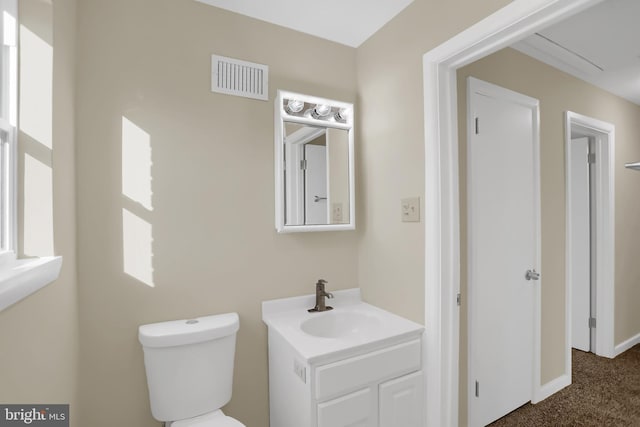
[189, 365]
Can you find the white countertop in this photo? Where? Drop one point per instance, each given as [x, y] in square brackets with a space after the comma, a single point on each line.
[286, 315]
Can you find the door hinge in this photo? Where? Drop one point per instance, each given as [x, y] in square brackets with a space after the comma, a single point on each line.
[592, 322]
[458, 299]
[303, 165]
[591, 158]
[477, 126]
[477, 389]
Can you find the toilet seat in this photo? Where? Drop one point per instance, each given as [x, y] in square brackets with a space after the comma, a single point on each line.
[211, 419]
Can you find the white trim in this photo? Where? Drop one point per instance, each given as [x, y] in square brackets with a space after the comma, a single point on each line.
[484, 88]
[604, 134]
[552, 387]
[9, 107]
[442, 242]
[23, 277]
[626, 345]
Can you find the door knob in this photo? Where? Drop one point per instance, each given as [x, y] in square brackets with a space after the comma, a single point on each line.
[532, 275]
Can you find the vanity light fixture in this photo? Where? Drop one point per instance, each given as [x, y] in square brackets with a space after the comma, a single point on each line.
[634, 166]
[318, 110]
[294, 106]
[321, 111]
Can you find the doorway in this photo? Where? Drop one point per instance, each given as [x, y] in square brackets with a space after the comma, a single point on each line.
[315, 183]
[582, 245]
[442, 243]
[590, 233]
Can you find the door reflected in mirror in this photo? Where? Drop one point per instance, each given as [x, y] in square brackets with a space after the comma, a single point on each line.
[317, 179]
[314, 164]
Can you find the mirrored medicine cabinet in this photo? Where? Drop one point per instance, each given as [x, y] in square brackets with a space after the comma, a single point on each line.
[314, 165]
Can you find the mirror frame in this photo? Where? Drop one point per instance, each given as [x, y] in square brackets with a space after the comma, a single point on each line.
[280, 117]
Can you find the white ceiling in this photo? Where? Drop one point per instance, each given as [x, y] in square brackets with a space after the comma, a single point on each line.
[347, 22]
[600, 45]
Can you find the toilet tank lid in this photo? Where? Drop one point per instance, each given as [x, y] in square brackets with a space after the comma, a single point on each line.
[188, 331]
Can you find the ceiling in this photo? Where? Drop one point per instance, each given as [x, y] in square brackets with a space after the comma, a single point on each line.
[600, 45]
[345, 22]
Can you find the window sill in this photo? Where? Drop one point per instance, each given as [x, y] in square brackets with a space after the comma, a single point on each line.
[21, 278]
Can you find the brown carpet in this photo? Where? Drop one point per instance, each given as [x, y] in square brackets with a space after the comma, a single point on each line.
[604, 393]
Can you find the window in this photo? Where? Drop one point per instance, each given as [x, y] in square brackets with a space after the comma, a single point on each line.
[8, 121]
[19, 278]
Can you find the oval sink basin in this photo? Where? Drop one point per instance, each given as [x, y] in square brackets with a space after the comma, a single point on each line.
[340, 325]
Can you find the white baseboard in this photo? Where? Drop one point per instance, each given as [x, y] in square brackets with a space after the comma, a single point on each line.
[626, 345]
[551, 387]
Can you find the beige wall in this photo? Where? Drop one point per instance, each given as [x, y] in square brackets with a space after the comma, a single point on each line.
[559, 92]
[338, 153]
[205, 181]
[390, 147]
[211, 211]
[38, 361]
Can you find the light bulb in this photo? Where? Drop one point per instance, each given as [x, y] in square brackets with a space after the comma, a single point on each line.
[342, 115]
[294, 106]
[321, 111]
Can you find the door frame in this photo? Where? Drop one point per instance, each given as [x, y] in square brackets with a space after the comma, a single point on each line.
[489, 89]
[604, 134]
[513, 22]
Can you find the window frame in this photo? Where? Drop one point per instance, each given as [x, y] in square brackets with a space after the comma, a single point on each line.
[19, 278]
[8, 129]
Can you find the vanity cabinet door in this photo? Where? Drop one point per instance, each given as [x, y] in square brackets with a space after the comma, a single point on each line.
[352, 410]
[401, 401]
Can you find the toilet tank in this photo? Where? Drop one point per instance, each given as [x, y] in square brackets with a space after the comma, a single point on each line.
[189, 365]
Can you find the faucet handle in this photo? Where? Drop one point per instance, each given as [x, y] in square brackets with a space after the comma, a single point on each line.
[321, 283]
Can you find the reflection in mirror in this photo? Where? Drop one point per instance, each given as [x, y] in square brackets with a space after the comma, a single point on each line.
[314, 164]
[316, 192]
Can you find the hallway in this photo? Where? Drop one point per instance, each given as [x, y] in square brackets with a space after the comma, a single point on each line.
[604, 392]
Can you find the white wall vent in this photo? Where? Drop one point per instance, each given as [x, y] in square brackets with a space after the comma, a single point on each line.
[241, 78]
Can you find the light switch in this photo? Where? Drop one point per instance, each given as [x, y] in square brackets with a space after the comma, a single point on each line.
[410, 209]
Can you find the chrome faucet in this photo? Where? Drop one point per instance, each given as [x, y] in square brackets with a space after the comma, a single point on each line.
[321, 294]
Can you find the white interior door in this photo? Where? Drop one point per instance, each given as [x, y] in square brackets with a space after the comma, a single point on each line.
[580, 266]
[315, 184]
[503, 239]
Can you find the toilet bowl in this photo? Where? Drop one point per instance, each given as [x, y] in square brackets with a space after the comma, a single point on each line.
[189, 367]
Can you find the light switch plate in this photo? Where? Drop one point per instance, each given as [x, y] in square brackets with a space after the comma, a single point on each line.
[410, 209]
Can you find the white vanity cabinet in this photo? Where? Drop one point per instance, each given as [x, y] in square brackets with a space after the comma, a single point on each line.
[382, 387]
[364, 377]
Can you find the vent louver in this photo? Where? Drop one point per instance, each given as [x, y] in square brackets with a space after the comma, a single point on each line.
[240, 78]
